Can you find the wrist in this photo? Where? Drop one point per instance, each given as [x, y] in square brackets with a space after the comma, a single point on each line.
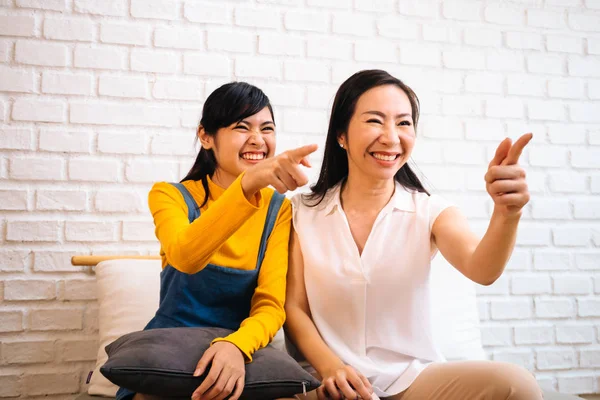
[230, 345]
[249, 186]
[507, 217]
[330, 368]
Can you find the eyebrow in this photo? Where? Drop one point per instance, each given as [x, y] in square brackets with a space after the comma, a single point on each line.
[382, 115]
[263, 124]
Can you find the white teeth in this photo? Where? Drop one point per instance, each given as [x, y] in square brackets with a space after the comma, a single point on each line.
[251, 156]
[384, 157]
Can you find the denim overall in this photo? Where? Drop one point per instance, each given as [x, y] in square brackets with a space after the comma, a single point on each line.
[213, 297]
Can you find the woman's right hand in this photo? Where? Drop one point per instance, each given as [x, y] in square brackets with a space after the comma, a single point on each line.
[344, 382]
[226, 373]
[282, 172]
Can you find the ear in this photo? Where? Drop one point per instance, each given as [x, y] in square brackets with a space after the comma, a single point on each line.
[341, 139]
[206, 140]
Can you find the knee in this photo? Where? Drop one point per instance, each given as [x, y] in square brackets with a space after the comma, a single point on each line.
[140, 396]
[518, 383]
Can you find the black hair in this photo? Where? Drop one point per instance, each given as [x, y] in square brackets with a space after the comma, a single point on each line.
[335, 161]
[228, 104]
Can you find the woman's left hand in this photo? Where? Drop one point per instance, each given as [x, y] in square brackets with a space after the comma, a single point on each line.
[227, 373]
[505, 178]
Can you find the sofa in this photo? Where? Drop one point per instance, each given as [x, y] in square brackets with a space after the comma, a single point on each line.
[128, 295]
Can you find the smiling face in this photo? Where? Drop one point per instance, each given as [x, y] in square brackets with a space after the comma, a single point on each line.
[381, 135]
[240, 145]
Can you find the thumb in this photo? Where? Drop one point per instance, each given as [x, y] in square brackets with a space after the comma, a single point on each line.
[298, 155]
[501, 152]
[206, 359]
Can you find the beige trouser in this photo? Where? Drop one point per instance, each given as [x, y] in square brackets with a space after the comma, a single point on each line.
[469, 380]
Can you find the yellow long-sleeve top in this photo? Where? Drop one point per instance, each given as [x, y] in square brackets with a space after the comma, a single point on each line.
[227, 234]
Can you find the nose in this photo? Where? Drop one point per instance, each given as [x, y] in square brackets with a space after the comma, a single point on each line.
[389, 136]
[256, 138]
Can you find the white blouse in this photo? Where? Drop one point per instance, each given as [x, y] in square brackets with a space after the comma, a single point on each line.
[373, 310]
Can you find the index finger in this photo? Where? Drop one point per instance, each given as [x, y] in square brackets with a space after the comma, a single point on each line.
[359, 386]
[517, 149]
[209, 381]
[299, 153]
[366, 382]
[206, 359]
[345, 388]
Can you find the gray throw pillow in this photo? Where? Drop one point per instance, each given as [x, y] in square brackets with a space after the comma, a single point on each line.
[162, 361]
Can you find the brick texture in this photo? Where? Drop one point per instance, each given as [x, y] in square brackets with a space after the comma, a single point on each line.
[101, 98]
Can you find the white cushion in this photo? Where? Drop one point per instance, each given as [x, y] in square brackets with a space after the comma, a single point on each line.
[454, 312]
[128, 295]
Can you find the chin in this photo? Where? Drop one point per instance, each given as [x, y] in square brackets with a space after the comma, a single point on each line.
[382, 175]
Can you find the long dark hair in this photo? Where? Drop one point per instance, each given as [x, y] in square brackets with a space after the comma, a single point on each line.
[228, 104]
[335, 160]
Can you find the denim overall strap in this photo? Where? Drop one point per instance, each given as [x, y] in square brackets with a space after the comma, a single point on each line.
[193, 209]
[272, 212]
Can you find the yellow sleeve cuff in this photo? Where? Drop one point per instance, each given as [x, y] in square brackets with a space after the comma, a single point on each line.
[237, 342]
[256, 201]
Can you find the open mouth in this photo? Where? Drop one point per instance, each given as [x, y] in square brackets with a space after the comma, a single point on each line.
[253, 156]
[382, 156]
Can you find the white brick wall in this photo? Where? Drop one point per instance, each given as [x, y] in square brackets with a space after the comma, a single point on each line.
[98, 99]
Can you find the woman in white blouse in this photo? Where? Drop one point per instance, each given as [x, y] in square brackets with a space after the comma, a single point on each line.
[358, 281]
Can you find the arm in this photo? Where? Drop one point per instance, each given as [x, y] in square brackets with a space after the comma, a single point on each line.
[481, 261]
[484, 261]
[189, 247]
[267, 313]
[299, 326]
[336, 375]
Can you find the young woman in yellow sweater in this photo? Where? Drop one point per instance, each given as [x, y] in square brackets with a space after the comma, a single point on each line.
[224, 236]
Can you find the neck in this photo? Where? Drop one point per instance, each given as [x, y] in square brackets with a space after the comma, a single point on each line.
[222, 178]
[365, 194]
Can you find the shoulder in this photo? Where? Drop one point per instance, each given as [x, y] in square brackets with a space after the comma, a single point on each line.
[194, 187]
[305, 203]
[162, 186]
[165, 196]
[168, 193]
[162, 190]
[432, 206]
[426, 207]
[297, 200]
[437, 203]
[423, 201]
[310, 212]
